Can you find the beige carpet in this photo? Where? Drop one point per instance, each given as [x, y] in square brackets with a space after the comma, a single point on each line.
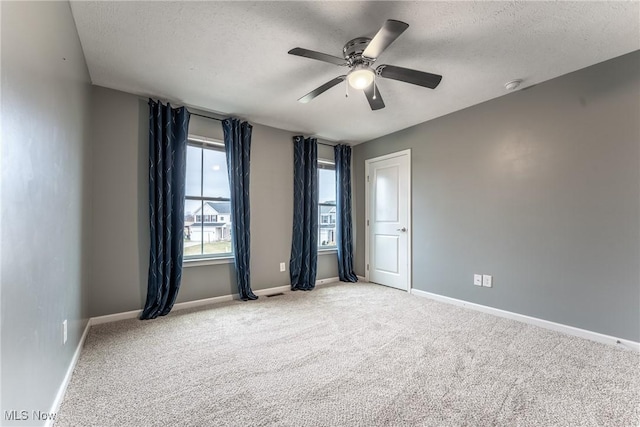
[346, 355]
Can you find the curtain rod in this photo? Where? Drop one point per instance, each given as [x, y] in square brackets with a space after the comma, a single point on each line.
[215, 118]
[206, 117]
[326, 143]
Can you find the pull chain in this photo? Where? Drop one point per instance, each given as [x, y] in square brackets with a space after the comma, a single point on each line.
[346, 88]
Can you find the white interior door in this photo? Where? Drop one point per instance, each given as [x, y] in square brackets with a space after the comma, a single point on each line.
[388, 220]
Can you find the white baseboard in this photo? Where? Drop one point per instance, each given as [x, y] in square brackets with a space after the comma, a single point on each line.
[558, 327]
[271, 291]
[327, 280]
[362, 278]
[62, 390]
[134, 314]
[114, 317]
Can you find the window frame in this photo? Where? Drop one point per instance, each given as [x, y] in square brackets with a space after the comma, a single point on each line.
[326, 165]
[214, 145]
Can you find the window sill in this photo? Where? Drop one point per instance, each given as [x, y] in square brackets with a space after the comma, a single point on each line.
[327, 251]
[207, 261]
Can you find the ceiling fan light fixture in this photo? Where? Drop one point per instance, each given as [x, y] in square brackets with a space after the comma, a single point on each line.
[360, 77]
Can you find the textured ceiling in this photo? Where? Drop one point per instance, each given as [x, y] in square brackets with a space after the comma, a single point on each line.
[231, 57]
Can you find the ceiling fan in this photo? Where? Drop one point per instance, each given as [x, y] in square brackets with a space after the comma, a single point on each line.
[359, 55]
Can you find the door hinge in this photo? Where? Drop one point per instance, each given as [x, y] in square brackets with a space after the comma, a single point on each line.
[367, 267]
[367, 178]
[367, 223]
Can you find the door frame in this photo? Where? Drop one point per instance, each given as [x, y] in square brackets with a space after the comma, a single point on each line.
[367, 197]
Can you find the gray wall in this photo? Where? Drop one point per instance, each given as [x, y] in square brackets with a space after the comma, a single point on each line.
[45, 201]
[120, 212]
[118, 246]
[541, 189]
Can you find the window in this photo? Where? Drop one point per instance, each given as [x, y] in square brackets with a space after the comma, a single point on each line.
[327, 204]
[207, 203]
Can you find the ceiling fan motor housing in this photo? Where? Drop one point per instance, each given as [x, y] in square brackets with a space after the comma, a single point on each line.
[353, 49]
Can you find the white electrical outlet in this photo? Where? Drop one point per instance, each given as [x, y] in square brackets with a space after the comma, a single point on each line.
[283, 267]
[64, 331]
[477, 279]
[487, 281]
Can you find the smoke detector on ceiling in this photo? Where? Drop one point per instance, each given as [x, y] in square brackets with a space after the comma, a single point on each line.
[513, 84]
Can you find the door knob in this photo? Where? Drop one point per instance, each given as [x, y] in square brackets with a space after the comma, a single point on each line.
[403, 229]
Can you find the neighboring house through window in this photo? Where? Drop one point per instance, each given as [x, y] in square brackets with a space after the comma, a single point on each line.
[327, 204]
[207, 208]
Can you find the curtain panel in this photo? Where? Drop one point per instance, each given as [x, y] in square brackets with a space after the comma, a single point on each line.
[344, 228]
[237, 144]
[168, 129]
[304, 242]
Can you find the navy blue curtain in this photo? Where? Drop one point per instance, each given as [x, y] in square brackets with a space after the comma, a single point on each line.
[237, 144]
[344, 227]
[168, 129]
[304, 242]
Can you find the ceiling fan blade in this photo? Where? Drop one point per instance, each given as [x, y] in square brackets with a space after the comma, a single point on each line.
[377, 103]
[317, 55]
[407, 75]
[390, 31]
[328, 85]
